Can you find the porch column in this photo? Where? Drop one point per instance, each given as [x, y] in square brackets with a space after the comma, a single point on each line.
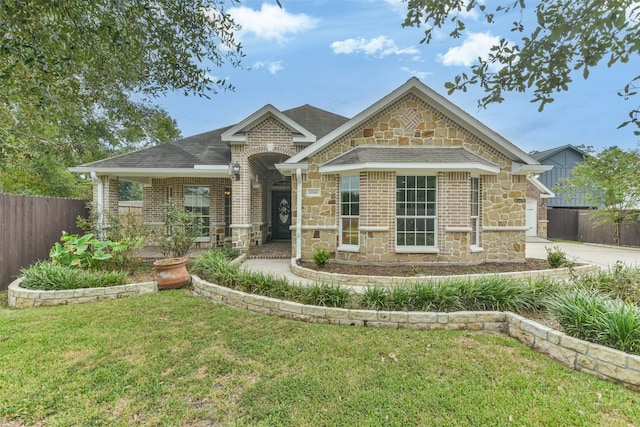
[241, 204]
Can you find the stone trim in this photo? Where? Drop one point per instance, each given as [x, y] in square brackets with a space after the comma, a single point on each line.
[603, 362]
[25, 298]
[349, 280]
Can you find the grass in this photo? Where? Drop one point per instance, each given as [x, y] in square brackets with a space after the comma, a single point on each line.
[173, 359]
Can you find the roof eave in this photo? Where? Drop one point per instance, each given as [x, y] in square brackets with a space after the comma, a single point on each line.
[419, 168]
[418, 88]
[209, 171]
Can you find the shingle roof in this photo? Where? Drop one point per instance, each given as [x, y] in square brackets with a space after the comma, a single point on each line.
[378, 154]
[542, 155]
[318, 122]
[208, 149]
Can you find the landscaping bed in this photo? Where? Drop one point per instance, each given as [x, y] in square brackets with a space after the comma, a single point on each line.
[409, 270]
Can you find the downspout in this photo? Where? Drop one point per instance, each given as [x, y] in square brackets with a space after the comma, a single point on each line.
[100, 203]
[298, 215]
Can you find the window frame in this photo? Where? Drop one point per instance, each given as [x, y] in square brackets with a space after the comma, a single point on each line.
[206, 219]
[410, 201]
[342, 246]
[474, 214]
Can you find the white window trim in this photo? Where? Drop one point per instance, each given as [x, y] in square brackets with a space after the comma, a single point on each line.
[476, 247]
[431, 249]
[199, 239]
[345, 247]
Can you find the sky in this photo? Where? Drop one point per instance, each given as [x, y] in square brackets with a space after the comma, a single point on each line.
[344, 55]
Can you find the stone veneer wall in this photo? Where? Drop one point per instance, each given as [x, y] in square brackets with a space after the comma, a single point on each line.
[410, 122]
[603, 362]
[25, 298]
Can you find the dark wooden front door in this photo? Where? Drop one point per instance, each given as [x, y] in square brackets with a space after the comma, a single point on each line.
[281, 216]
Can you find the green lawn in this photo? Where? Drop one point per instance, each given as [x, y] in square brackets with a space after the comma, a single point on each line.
[173, 359]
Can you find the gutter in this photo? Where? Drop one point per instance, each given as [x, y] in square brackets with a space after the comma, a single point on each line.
[100, 203]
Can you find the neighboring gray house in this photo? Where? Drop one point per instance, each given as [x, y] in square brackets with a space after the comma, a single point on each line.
[563, 159]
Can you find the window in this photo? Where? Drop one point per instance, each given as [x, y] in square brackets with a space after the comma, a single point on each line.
[349, 210]
[416, 211]
[475, 212]
[196, 200]
[227, 212]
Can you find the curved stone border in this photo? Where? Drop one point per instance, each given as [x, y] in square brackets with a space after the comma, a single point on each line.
[603, 362]
[553, 273]
[24, 298]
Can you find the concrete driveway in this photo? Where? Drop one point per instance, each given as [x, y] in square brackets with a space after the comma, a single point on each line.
[600, 255]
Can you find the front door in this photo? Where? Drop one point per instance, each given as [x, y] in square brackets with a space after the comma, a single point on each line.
[281, 216]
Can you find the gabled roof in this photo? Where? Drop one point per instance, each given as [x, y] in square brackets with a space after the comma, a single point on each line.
[205, 153]
[543, 155]
[366, 157]
[444, 106]
[238, 133]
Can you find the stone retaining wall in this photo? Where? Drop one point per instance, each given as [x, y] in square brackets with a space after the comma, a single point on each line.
[554, 273]
[24, 298]
[603, 362]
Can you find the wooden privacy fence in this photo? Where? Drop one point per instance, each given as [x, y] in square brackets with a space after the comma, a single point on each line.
[578, 224]
[29, 227]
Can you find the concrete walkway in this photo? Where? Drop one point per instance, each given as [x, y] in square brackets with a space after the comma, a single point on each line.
[600, 255]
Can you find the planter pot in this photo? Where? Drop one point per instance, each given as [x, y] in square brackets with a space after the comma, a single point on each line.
[171, 273]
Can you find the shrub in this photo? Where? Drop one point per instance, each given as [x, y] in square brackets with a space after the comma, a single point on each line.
[589, 315]
[87, 252]
[556, 257]
[374, 298]
[181, 231]
[321, 257]
[47, 276]
[326, 294]
[621, 282]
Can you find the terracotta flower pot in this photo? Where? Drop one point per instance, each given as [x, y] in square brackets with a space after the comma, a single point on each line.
[171, 273]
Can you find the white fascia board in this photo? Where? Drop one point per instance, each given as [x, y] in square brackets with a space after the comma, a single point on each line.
[418, 168]
[521, 169]
[237, 132]
[213, 171]
[545, 193]
[434, 99]
[290, 169]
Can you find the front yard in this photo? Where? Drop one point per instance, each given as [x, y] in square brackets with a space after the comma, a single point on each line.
[170, 358]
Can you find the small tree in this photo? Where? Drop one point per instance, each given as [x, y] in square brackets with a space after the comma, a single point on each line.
[181, 231]
[609, 180]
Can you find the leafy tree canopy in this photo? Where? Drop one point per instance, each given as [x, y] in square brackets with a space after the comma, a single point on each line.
[78, 79]
[559, 38]
[609, 180]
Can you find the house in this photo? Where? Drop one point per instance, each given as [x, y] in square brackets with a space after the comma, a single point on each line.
[412, 178]
[563, 159]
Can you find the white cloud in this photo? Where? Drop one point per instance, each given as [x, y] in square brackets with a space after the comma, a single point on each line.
[419, 74]
[476, 45]
[272, 67]
[379, 47]
[271, 22]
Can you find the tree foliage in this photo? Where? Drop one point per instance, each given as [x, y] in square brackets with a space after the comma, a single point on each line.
[559, 39]
[78, 78]
[609, 180]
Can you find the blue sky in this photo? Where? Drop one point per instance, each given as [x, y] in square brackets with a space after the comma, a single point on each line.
[342, 56]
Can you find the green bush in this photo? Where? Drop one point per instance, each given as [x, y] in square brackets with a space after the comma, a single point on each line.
[87, 252]
[374, 298]
[556, 257]
[321, 257]
[620, 282]
[47, 276]
[587, 314]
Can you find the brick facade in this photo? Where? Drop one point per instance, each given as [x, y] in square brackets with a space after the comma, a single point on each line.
[410, 122]
[268, 139]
